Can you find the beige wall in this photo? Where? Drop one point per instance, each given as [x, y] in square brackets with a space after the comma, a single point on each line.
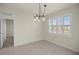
[25, 30]
[71, 42]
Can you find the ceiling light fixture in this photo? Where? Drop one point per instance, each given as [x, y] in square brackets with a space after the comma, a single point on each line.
[41, 13]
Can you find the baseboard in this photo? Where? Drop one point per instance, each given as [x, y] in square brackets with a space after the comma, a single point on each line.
[63, 46]
[15, 45]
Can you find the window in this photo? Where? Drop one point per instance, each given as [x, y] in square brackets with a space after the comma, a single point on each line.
[54, 25]
[67, 28]
[60, 25]
[50, 25]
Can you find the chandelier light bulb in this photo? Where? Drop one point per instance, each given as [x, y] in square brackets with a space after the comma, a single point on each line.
[43, 19]
[38, 19]
[34, 19]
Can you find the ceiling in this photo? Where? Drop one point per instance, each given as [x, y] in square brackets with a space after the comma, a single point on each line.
[32, 8]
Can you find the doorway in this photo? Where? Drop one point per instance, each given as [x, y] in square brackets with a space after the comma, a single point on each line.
[9, 40]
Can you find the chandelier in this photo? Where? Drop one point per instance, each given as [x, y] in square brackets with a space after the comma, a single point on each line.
[40, 16]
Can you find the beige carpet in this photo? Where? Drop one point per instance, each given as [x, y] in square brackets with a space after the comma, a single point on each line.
[37, 48]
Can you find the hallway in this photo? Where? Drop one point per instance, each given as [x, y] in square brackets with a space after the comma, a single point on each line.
[9, 42]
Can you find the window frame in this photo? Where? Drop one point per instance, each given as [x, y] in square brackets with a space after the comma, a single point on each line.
[62, 17]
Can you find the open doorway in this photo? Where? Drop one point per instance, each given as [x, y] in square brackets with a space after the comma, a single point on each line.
[9, 40]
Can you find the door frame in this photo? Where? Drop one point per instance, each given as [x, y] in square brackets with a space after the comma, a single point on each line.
[12, 17]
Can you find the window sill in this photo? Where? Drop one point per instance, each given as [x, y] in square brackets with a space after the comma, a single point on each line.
[61, 35]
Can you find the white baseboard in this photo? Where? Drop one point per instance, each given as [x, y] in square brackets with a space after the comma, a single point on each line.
[15, 45]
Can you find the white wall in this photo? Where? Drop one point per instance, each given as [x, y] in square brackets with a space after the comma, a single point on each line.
[3, 31]
[25, 30]
[71, 42]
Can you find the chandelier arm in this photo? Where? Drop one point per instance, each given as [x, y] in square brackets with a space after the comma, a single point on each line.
[41, 13]
[44, 11]
[39, 9]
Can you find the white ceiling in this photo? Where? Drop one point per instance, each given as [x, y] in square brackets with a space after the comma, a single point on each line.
[32, 8]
